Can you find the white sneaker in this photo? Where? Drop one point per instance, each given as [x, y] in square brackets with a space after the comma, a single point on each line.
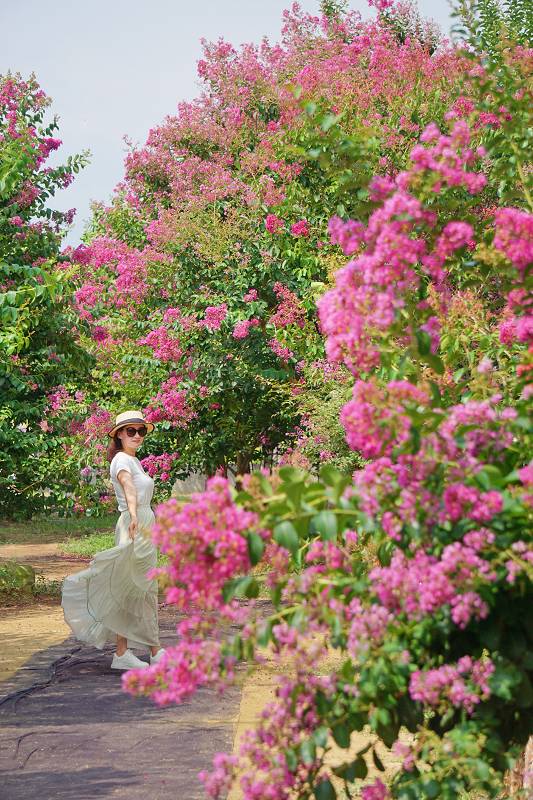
[158, 656]
[128, 661]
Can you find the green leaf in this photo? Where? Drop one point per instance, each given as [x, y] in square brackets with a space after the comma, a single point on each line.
[329, 121]
[265, 634]
[240, 587]
[434, 362]
[291, 474]
[308, 751]
[256, 547]
[285, 534]
[325, 523]
[424, 342]
[341, 734]
[360, 768]
[330, 475]
[292, 760]
[321, 736]
[431, 788]
[349, 772]
[377, 761]
[325, 791]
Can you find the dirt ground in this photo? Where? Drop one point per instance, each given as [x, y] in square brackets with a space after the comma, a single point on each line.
[30, 627]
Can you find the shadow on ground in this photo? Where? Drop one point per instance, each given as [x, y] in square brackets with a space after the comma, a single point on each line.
[68, 732]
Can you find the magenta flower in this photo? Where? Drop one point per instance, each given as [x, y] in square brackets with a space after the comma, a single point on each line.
[300, 228]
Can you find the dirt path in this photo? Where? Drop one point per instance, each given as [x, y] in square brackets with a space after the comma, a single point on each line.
[29, 628]
[67, 730]
[45, 558]
[24, 631]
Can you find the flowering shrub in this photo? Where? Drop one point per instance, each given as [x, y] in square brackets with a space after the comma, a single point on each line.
[413, 575]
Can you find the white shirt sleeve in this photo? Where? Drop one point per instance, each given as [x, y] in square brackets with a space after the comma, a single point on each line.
[120, 462]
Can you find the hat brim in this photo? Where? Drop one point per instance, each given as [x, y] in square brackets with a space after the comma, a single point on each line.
[133, 420]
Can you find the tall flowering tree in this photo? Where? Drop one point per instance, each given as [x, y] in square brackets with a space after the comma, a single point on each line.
[37, 348]
[401, 593]
[198, 282]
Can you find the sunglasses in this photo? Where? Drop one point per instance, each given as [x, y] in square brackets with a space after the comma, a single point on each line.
[142, 431]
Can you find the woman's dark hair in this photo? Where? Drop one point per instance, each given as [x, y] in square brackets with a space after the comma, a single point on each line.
[114, 447]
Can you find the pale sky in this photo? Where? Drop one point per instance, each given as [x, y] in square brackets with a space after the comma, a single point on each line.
[118, 67]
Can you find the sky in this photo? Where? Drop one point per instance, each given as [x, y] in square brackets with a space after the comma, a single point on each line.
[118, 67]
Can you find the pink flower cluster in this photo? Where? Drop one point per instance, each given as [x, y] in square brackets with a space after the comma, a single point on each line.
[375, 420]
[170, 404]
[371, 290]
[250, 295]
[300, 228]
[160, 466]
[514, 236]
[463, 684]
[376, 790]
[58, 398]
[285, 723]
[184, 669]
[448, 157]
[283, 353]
[206, 544]
[214, 316]
[289, 310]
[367, 626]
[242, 328]
[348, 235]
[274, 224]
[96, 426]
[165, 347]
[402, 491]
[421, 585]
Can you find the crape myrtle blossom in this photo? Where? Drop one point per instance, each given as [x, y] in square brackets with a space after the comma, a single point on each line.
[289, 310]
[423, 584]
[462, 684]
[370, 291]
[170, 404]
[206, 545]
[160, 465]
[214, 317]
[242, 328]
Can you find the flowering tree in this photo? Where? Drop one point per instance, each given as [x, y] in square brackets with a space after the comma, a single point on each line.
[36, 345]
[198, 283]
[416, 571]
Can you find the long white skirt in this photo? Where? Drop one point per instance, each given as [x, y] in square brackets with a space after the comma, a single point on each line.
[113, 595]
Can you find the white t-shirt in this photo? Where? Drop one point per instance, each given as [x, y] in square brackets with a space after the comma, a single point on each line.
[143, 483]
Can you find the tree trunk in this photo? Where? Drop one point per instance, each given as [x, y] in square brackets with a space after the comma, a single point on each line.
[243, 463]
[520, 779]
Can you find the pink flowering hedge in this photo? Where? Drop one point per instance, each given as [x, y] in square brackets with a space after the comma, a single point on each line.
[400, 594]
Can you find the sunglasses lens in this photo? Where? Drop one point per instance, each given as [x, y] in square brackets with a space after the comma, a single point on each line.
[141, 431]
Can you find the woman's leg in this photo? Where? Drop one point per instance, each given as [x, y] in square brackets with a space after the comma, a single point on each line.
[122, 645]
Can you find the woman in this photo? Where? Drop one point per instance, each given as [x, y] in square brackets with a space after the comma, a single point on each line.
[113, 597]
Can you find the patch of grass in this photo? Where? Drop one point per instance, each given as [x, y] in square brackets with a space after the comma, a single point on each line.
[53, 529]
[88, 545]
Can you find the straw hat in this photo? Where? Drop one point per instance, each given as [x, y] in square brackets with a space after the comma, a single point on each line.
[130, 418]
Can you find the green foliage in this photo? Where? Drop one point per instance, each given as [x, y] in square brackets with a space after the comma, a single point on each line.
[16, 579]
[37, 347]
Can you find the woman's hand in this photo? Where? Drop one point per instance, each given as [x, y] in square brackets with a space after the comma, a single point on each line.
[132, 528]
